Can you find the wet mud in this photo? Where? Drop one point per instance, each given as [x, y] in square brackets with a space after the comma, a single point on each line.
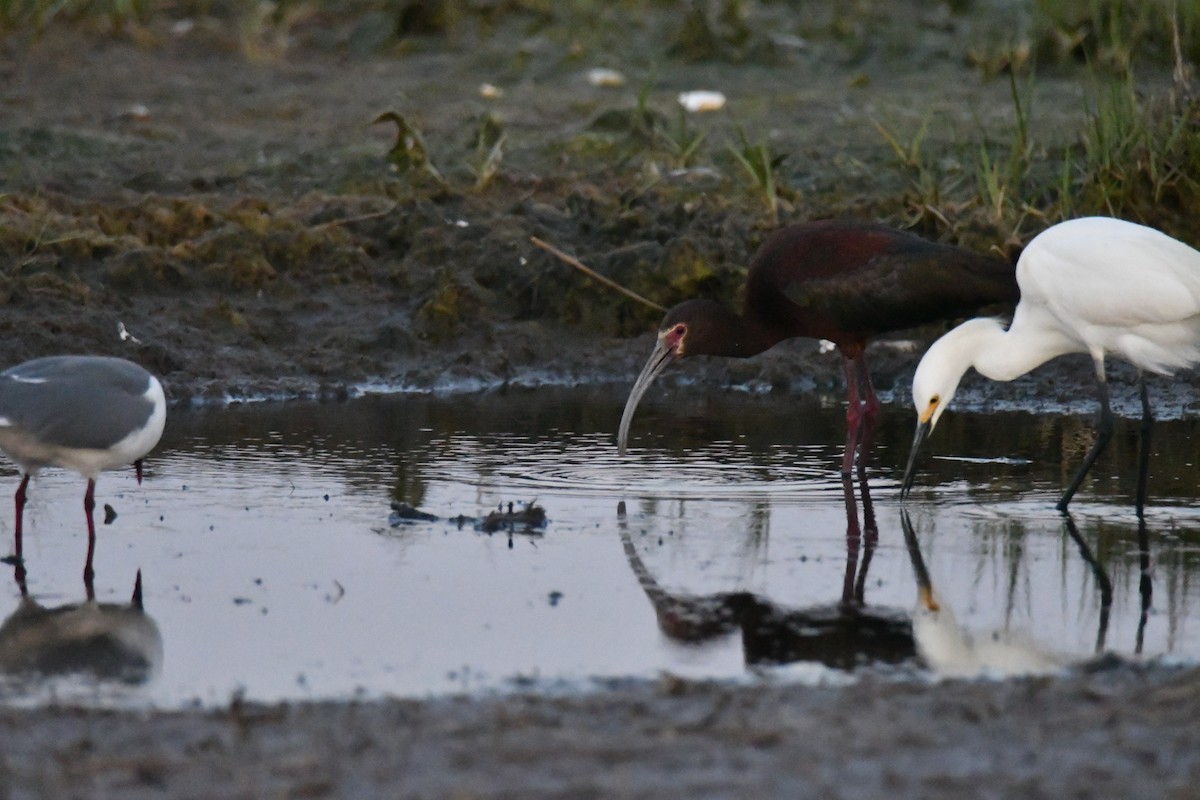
[1113, 733]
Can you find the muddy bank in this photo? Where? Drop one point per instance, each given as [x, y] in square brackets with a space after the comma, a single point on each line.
[1116, 732]
[252, 227]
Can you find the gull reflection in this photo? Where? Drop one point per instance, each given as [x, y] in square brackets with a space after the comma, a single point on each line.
[843, 634]
[109, 642]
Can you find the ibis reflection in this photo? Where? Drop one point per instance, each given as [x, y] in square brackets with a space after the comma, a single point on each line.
[843, 634]
[849, 632]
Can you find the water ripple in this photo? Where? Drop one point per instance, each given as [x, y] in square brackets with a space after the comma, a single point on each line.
[590, 466]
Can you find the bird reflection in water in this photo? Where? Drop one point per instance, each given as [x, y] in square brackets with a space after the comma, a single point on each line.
[105, 642]
[1104, 585]
[842, 635]
[949, 649]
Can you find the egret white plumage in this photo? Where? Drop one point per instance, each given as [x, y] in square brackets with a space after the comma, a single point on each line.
[1095, 285]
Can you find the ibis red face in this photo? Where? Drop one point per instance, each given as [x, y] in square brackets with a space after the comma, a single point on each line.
[668, 348]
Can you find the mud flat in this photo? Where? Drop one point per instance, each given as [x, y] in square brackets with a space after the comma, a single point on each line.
[1118, 731]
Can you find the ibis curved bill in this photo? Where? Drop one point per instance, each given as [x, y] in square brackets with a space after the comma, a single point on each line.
[659, 359]
[1094, 285]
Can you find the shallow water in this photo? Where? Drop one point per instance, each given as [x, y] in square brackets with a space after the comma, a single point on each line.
[271, 570]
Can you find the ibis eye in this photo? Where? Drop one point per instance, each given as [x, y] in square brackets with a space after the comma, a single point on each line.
[680, 329]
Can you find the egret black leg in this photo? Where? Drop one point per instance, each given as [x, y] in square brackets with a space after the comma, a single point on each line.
[1102, 582]
[89, 504]
[1144, 452]
[1145, 586]
[1104, 432]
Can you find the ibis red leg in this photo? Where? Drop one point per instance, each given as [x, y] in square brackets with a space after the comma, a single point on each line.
[860, 542]
[870, 539]
[862, 412]
[870, 415]
[853, 540]
[854, 415]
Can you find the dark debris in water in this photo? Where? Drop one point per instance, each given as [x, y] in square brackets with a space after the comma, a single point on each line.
[403, 512]
[530, 517]
[528, 520]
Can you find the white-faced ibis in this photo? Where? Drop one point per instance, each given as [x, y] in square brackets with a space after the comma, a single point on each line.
[85, 413]
[1093, 285]
[841, 280]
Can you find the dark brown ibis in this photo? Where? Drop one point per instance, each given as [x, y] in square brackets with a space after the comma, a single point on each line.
[842, 280]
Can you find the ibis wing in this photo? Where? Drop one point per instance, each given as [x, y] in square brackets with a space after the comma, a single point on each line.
[898, 290]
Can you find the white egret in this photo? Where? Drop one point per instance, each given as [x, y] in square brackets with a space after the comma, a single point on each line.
[1095, 285]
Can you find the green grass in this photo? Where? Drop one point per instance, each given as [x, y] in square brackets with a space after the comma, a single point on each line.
[488, 152]
[760, 165]
[682, 142]
[39, 14]
[1116, 33]
[1135, 155]
[1139, 156]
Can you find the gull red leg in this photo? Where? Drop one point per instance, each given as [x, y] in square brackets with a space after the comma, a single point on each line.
[19, 503]
[89, 504]
[18, 541]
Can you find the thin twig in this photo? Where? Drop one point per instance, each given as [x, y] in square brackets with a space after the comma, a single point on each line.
[333, 223]
[591, 273]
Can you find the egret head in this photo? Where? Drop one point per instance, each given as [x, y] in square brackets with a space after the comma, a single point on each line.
[934, 386]
[937, 378]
